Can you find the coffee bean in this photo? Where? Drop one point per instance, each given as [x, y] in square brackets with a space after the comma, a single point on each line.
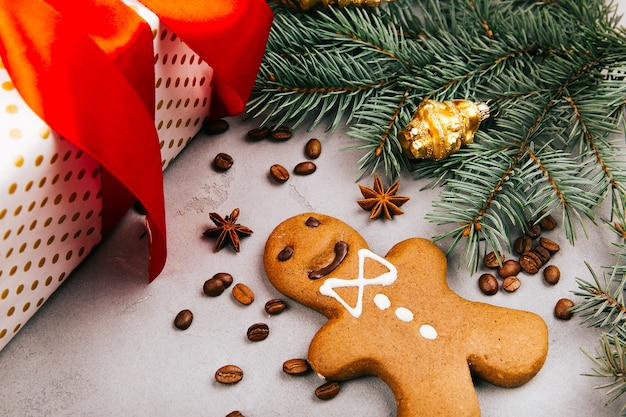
[243, 294]
[285, 254]
[488, 284]
[547, 223]
[542, 253]
[275, 306]
[296, 367]
[551, 274]
[213, 287]
[522, 244]
[305, 168]
[183, 319]
[281, 134]
[258, 332]
[533, 231]
[215, 127]
[229, 374]
[259, 133]
[491, 260]
[235, 414]
[551, 246]
[313, 148]
[279, 173]
[561, 309]
[530, 263]
[511, 283]
[328, 390]
[509, 268]
[223, 161]
[225, 277]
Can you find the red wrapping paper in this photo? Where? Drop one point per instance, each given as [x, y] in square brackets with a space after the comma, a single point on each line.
[95, 58]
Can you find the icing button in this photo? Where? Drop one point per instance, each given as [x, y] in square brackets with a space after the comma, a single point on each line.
[382, 301]
[428, 332]
[404, 314]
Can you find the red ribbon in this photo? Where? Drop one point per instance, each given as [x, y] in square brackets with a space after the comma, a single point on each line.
[86, 68]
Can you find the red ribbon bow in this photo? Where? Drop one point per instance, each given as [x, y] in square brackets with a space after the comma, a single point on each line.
[86, 68]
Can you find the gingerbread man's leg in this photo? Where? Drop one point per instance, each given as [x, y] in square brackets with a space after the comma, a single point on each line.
[438, 395]
[505, 355]
[422, 387]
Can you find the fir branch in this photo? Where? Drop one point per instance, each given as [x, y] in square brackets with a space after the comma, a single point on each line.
[550, 69]
[602, 305]
[610, 362]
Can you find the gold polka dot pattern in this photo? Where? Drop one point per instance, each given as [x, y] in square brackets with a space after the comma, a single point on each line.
[50, 195]
[50, 208]
[183, 88]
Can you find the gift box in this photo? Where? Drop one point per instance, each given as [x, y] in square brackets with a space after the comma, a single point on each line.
[58, 196]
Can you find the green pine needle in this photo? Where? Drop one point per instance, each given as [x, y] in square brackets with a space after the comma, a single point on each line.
[552, 72]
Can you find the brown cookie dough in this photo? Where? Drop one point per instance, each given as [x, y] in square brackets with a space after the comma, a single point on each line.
[396, 318]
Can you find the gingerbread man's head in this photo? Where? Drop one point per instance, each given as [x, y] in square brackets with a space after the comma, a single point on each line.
[395, 317]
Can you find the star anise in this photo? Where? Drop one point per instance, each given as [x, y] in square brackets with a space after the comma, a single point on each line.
[227, 229]
[381, 201]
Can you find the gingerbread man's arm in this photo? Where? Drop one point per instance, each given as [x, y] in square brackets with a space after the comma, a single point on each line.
[335, 356]
[513, 351]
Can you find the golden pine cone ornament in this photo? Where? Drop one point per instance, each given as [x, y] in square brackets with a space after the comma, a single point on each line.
[439, 129]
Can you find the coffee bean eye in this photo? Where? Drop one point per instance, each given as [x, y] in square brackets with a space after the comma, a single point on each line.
[285, 254]
[312, 222]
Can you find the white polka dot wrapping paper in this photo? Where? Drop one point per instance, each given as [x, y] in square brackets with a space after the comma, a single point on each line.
[50, 191]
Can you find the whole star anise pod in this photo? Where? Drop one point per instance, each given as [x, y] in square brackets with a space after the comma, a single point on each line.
[381, 201]
[227, 229]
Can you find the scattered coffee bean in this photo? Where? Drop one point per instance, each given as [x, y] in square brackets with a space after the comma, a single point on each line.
[225, 277]
[216, 285]
[281, 134]
[488, 284]
[313, 148]
[296, 367]
[213, 287]
[243, 294]
[183, 319]
[275, 306]
[530, 263]
[285, 254]
[551, 246]
[533, 231]
[229, 374]
[305, 168]
[511, 283]
[547, 223]
[522, 244]
[223, 161]
[258, 332]
[551, 274]
[328, 390]
[509, 268]
[542, 253]
[279, 173]
[561, 309]
[235, 414]
[491, 260]
[215, 127]
[259, 133]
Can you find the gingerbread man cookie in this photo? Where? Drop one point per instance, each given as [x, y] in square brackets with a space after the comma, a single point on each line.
[395, 317]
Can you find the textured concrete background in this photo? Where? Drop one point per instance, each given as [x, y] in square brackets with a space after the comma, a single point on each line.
[104, 344]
